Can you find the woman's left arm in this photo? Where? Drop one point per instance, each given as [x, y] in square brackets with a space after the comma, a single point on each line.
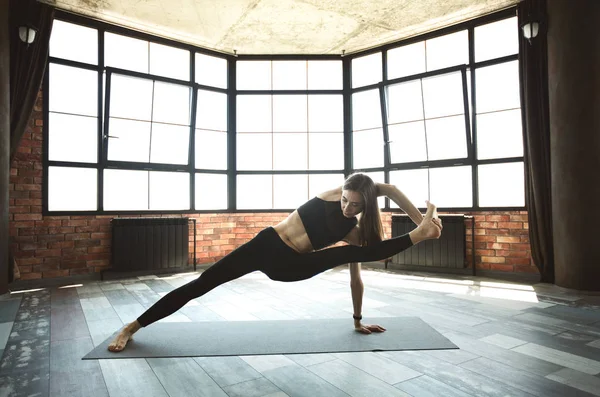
[391, 191]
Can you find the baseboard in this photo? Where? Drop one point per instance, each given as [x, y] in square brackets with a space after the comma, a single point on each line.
[19, 285]
[429, 269]
[110, 274]
[527, 278]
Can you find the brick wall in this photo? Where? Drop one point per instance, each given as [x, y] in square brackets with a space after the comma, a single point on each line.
[59, 246]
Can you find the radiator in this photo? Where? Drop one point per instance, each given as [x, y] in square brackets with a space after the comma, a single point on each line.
[149, 243]
[446, 253]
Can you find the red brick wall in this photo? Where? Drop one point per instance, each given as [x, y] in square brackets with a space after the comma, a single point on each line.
[501, 242]
[58, 246]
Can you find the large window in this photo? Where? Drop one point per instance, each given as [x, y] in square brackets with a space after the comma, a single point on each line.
[440, 122]
[145, 130]
[290, 131]
[139, 124]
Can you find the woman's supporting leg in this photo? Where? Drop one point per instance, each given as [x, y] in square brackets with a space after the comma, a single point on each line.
[229, 268]
[239, 262]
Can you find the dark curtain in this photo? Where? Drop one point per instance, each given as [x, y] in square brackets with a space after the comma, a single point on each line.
[27, 63]
[533, 68]
[27, 68]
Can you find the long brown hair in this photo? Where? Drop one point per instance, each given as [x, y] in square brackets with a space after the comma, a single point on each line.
[370, 227]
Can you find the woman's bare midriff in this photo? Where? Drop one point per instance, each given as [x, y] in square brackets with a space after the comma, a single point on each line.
[293, 234]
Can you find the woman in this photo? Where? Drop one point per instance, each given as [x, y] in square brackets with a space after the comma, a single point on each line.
[292, 250]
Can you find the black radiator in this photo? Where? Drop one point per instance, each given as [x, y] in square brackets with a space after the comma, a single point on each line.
[149, 243]
[446, 253]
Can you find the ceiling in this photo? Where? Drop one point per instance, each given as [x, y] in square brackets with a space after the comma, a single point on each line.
[284, 26]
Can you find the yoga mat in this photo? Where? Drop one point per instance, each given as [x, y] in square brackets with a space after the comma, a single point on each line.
[242, 338]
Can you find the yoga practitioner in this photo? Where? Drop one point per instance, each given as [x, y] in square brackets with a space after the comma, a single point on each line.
[293, 249]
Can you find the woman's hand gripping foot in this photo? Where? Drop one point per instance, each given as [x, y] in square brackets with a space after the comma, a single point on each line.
[430, 227]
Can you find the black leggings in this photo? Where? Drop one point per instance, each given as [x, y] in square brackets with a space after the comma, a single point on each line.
[269, 254]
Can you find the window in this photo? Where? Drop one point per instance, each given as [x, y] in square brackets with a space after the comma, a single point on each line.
[291, 134]
[144, 162]
[366, 70]
[434, 141]
[149, 121]
[367, 134]
[74, 42]
[146, 126]
[211, 71]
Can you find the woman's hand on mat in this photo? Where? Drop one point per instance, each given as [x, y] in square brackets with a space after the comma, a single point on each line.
[367, 329]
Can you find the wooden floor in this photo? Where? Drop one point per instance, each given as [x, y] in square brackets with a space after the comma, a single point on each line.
[514, 339]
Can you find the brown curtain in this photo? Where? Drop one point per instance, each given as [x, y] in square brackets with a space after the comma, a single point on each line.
[27, 68]
[27, 63]
[533, 68]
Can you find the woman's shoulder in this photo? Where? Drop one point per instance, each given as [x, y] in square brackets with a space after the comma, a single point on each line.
[331, 195]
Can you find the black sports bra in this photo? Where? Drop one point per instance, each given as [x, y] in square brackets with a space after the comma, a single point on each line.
[324, 222]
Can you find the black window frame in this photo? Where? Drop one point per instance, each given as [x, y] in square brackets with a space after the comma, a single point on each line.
[232, 93]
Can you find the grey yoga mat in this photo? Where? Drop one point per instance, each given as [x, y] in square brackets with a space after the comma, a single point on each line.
[242, 338]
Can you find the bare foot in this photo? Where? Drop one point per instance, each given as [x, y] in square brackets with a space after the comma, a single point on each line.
[126, 334]
[430, 227]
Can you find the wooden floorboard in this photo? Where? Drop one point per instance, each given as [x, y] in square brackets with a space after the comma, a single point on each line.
[524, 341]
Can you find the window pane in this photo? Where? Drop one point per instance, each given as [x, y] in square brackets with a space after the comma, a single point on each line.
[73, 90]
[290, 113]
[169, 61]
[74, 42]
[289, 75]
[211, 150]
[125, 52]
[326, 151]
[368, 148]
[169, 190]
[497, 87]
[211, 113]
[72, 189]
[211, 70]
[211, 192]
[451, 186]
[448, 50]
[289, 191]
[321, 183]
[443, 95]
[254, 152]
[254, 191]
[290, 151]
[171, 103]
[499, 134]
[414, 184]
[496, 39]
[405, 102]
[446, 138]
[366, 110]
[407, 142]
[325, 75]
[325, 113]
[72, 138]
[254, 113]
[253, 75]
[170, 144]
[406, 60]
[501, 185]
[378, 177]
[125, 190]
[128, 140]
[366, 70]
[131, 97]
